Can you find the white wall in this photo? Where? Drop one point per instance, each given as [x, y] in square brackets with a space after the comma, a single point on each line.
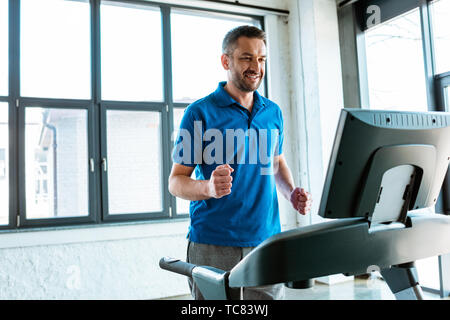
[108, 262]
[316, 91]
[121, 261]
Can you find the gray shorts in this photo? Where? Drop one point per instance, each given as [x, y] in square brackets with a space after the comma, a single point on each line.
[225, 258]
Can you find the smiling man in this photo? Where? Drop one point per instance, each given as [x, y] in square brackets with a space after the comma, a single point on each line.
[234, 205]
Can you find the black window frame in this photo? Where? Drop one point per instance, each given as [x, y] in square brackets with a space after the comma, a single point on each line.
[96, 111]
[435, 83]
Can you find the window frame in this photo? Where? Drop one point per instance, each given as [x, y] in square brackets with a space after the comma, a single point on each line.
[96, 112]
[10, 165]
[435, 83]
[26, 103]
[139, 106]
[442, 81]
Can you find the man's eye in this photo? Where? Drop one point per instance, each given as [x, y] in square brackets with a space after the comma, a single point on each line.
[246, 58]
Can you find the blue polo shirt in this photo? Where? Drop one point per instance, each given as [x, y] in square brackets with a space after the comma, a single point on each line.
[217, 130]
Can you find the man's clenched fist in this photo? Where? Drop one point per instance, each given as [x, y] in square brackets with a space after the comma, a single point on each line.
[220, 182]
[301, 200]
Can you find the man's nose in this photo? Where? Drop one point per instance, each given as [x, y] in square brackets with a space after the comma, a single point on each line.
[255, 65]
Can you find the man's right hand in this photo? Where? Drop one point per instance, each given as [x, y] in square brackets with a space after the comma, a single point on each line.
[220, 182]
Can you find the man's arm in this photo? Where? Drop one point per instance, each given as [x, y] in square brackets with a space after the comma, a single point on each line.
[181, 184]
[298, 197]
[283, 177]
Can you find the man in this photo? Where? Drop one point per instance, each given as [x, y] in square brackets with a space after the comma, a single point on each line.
[234, 205]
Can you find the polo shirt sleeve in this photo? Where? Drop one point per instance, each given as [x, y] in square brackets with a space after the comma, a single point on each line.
[183, 151]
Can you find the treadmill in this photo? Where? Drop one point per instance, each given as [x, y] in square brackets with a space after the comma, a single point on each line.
[384, 167]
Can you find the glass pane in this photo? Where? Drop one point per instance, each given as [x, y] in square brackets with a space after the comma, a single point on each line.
[4, 171]
[56, 163]
[198, 70]
[395, 64]
[440, 14]
[182, 205]
[447, 99]
[428, 270]
[131, 53]
[3, 47]
[134, 161]
[55, 49]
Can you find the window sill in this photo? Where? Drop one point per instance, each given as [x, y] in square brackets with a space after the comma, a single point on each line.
[91, 233]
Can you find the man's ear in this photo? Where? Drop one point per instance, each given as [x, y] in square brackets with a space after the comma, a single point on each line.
[225, 59]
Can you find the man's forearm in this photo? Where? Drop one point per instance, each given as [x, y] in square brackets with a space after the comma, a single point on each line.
[189, 189]
[284, 180]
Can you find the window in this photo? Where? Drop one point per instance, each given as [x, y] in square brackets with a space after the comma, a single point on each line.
[196, 50]
[134, 162]
[407, 63]
[4, 176]
[56, 163]
[440, 13]
[90, 100]
[196, 39]
[55, 49]
[131, 52]
[447, 98]
[3, 47]
[182, 205]
[395, 67]
[428, 272]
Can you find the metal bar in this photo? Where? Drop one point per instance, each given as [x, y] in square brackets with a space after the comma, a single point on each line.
[95, 52]
[353, 57]
[214, 6]
[129, 105]
[180, 105]
[445, 75]
[95, 192]
[427, 46]
[55, 103]
[167, 117]
[345, 3]
[250, 6]
[15, 208]
[103, 153]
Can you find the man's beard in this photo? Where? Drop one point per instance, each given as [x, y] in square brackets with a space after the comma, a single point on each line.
[239, 82]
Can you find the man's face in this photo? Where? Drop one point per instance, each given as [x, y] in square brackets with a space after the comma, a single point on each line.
[246, 65]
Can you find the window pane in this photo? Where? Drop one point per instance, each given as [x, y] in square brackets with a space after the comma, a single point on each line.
[3, 47]
[55, 49]
[131, 53]
[447, 99]
[395, 64]
[134, 161]
[429, 272]
[56, 162]
[182, 205]
[4, 171]
[196, 51]
[440, 14]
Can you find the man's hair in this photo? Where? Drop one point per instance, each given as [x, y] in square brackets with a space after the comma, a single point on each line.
[229, 42]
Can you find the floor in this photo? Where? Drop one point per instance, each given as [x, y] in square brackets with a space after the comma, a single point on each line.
[357, 289]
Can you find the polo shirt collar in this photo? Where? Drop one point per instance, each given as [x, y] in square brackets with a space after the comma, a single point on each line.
[223, 99]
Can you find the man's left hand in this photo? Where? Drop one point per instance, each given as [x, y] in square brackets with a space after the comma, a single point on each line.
[301, 200]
